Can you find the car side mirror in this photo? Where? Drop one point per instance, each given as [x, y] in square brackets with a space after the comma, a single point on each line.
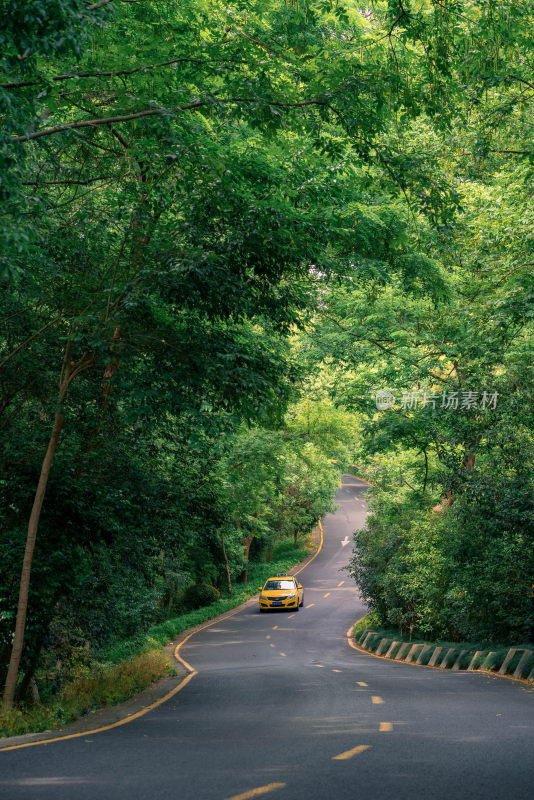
[299, 586]
[260, 588]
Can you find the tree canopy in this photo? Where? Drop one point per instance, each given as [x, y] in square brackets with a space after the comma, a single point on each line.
[224, 228]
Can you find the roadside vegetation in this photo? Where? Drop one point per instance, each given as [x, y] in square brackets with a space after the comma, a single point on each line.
[224, 228]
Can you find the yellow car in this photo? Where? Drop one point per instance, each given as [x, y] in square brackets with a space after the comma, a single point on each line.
[281, 591]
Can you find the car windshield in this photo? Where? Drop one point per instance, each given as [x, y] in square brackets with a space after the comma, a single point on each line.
[279, 585]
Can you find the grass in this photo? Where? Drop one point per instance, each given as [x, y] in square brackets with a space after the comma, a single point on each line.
[125, 668]
[528, 667]
[108, 685]
[426, 656]
[512, 666]
[493, 661]
[395, 650]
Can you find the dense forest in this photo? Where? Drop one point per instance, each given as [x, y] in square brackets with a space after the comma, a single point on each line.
[245, 247]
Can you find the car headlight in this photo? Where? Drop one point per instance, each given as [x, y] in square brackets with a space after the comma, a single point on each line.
[290, 595]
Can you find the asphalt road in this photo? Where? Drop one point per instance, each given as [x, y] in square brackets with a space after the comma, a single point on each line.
[277, 700]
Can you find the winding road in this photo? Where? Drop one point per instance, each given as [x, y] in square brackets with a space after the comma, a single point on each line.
[282, 707]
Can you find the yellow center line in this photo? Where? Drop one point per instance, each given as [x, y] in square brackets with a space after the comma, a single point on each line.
[268, 636]
[270, 787]
[327, 594]
[310, 606]
[376, 700]
[336, 670]
[361, 683]
[275, 627]
[283, 655]
[340, 584]
[291, 616]
[271, 645]
[350, 753]
[386, 726]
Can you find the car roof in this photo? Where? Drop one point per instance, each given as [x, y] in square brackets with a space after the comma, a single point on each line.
[281, 578]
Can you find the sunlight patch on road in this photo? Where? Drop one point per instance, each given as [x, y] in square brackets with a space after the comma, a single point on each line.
[218, 630]
[270, 787]
[60, 780]
[350, 753]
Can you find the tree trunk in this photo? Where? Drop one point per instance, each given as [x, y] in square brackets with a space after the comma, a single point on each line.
[469, 460]
[169, 607]
[34, 691]
[226, 564]
[28, 680]
[18, 641]
[103, 403]
[246, 544]
[69, 371]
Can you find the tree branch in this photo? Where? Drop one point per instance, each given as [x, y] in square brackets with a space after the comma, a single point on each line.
[91, 123]
[378, 344]
[71, 182]
[102, 3]
[30, 339]
[513, 152]
[67, 76]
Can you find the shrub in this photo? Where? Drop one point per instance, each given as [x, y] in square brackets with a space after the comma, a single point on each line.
[371, 621]
[198, 595]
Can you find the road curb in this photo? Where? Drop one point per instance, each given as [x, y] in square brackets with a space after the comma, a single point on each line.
[374, 643]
